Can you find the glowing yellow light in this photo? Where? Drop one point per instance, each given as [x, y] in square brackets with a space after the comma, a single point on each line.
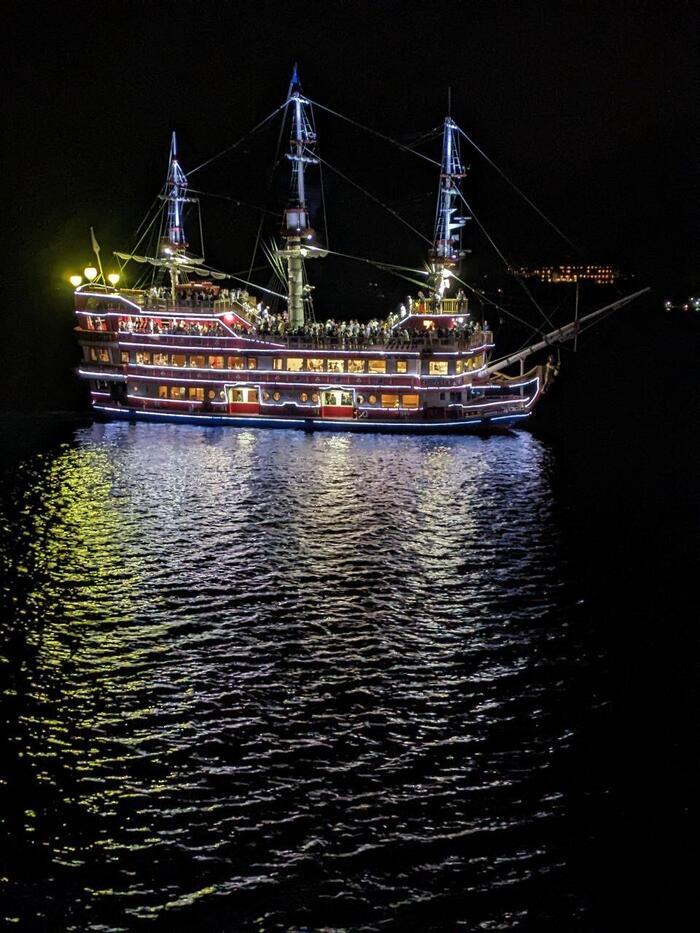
[90, 273]
[75, 280]
[113, 278]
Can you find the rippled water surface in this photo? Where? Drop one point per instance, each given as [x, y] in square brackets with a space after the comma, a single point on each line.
[265, 680]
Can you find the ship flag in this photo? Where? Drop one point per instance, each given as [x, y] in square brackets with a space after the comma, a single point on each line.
[95, 244]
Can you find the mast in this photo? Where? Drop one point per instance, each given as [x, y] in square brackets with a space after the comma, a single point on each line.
[297, 229]
[174, 243]
[447, 252]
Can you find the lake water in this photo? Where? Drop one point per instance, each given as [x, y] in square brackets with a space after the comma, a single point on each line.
[263, 680]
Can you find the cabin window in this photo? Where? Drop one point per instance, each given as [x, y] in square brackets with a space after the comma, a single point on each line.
[356, 366]
[277, 362]
[315, 398]
[266, 396]
[124, 356]
[195, 393]
[235, 362]
[459, 366]
[252, 395]
[179, 359]
[376, 366]
[478, 361]
[410, 401]
[177, 391]
[216, 362]
[314, 365]
[160, 359]
[455, 396]
[99, 355]
[390, 401]
[372, 399]
[162, 391]
[235, 395]
[401, 366]
[334, 366]
[360, 399]
[143, 358]
[438, 368]
[211, 393]
[198, 361]
[135, 390]
[304, 397]
[295, 364]
[276, 396]
[252, 362]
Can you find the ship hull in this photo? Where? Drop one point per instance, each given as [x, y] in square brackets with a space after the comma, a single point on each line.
[486, 425]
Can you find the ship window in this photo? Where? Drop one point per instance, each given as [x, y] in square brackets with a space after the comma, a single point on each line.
[160, 359]
[266, 396]
[295, 364]
[314, 365]
[277, 362]
[442, 396]
[334, 366]
[235, 362]
[376, 366]
[459, 365]
[329, 398]
[390, 401]
[198, 361]
[315, 398]
[346, 398]
[252, 362]
[455, 396]
[356, 366]
[252, 395]
[235, 395]
[304, 397]
[99, 355]
[211, 393]
[276, 396]
[177, 391]
[478, 361]
[194, 392]
[438, 368]
[401, 366]
[143, 358]
[124, 356]
[360, 399]
[372, 399]
[216, 362]
[134, 390]
[162, 391]
[179, 359]
[410, 401]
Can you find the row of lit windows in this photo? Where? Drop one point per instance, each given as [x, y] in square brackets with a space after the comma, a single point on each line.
[291, 364]
[327, 398]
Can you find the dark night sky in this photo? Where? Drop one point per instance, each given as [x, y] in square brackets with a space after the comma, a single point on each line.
[590, 107]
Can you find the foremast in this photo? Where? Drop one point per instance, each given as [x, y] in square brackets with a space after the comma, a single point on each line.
[447, 253]
[173, 242]
[296, 230]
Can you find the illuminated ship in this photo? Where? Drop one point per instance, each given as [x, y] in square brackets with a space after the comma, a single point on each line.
[183, 346]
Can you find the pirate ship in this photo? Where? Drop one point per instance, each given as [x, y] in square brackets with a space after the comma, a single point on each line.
[192, 343]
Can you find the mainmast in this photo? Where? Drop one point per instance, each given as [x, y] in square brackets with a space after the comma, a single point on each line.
[173, 242]
[447, 240]
[297, 229]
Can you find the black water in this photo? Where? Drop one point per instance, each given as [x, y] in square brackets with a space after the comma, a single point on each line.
[259, 680]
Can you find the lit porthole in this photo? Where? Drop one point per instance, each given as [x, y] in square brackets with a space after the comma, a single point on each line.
[304, 396]
[315, 398]
[134, 388]
[266, 396]
[372, 399]
[360, 399]
[276, 396]
[211, 394]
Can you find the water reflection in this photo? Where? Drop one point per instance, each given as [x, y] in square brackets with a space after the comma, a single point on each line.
[283, 678]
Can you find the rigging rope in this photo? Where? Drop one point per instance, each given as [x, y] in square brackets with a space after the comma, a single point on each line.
[521, 193]
[373, 198]
[223, 152]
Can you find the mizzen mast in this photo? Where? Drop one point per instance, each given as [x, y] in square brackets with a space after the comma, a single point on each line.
[297, 230]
